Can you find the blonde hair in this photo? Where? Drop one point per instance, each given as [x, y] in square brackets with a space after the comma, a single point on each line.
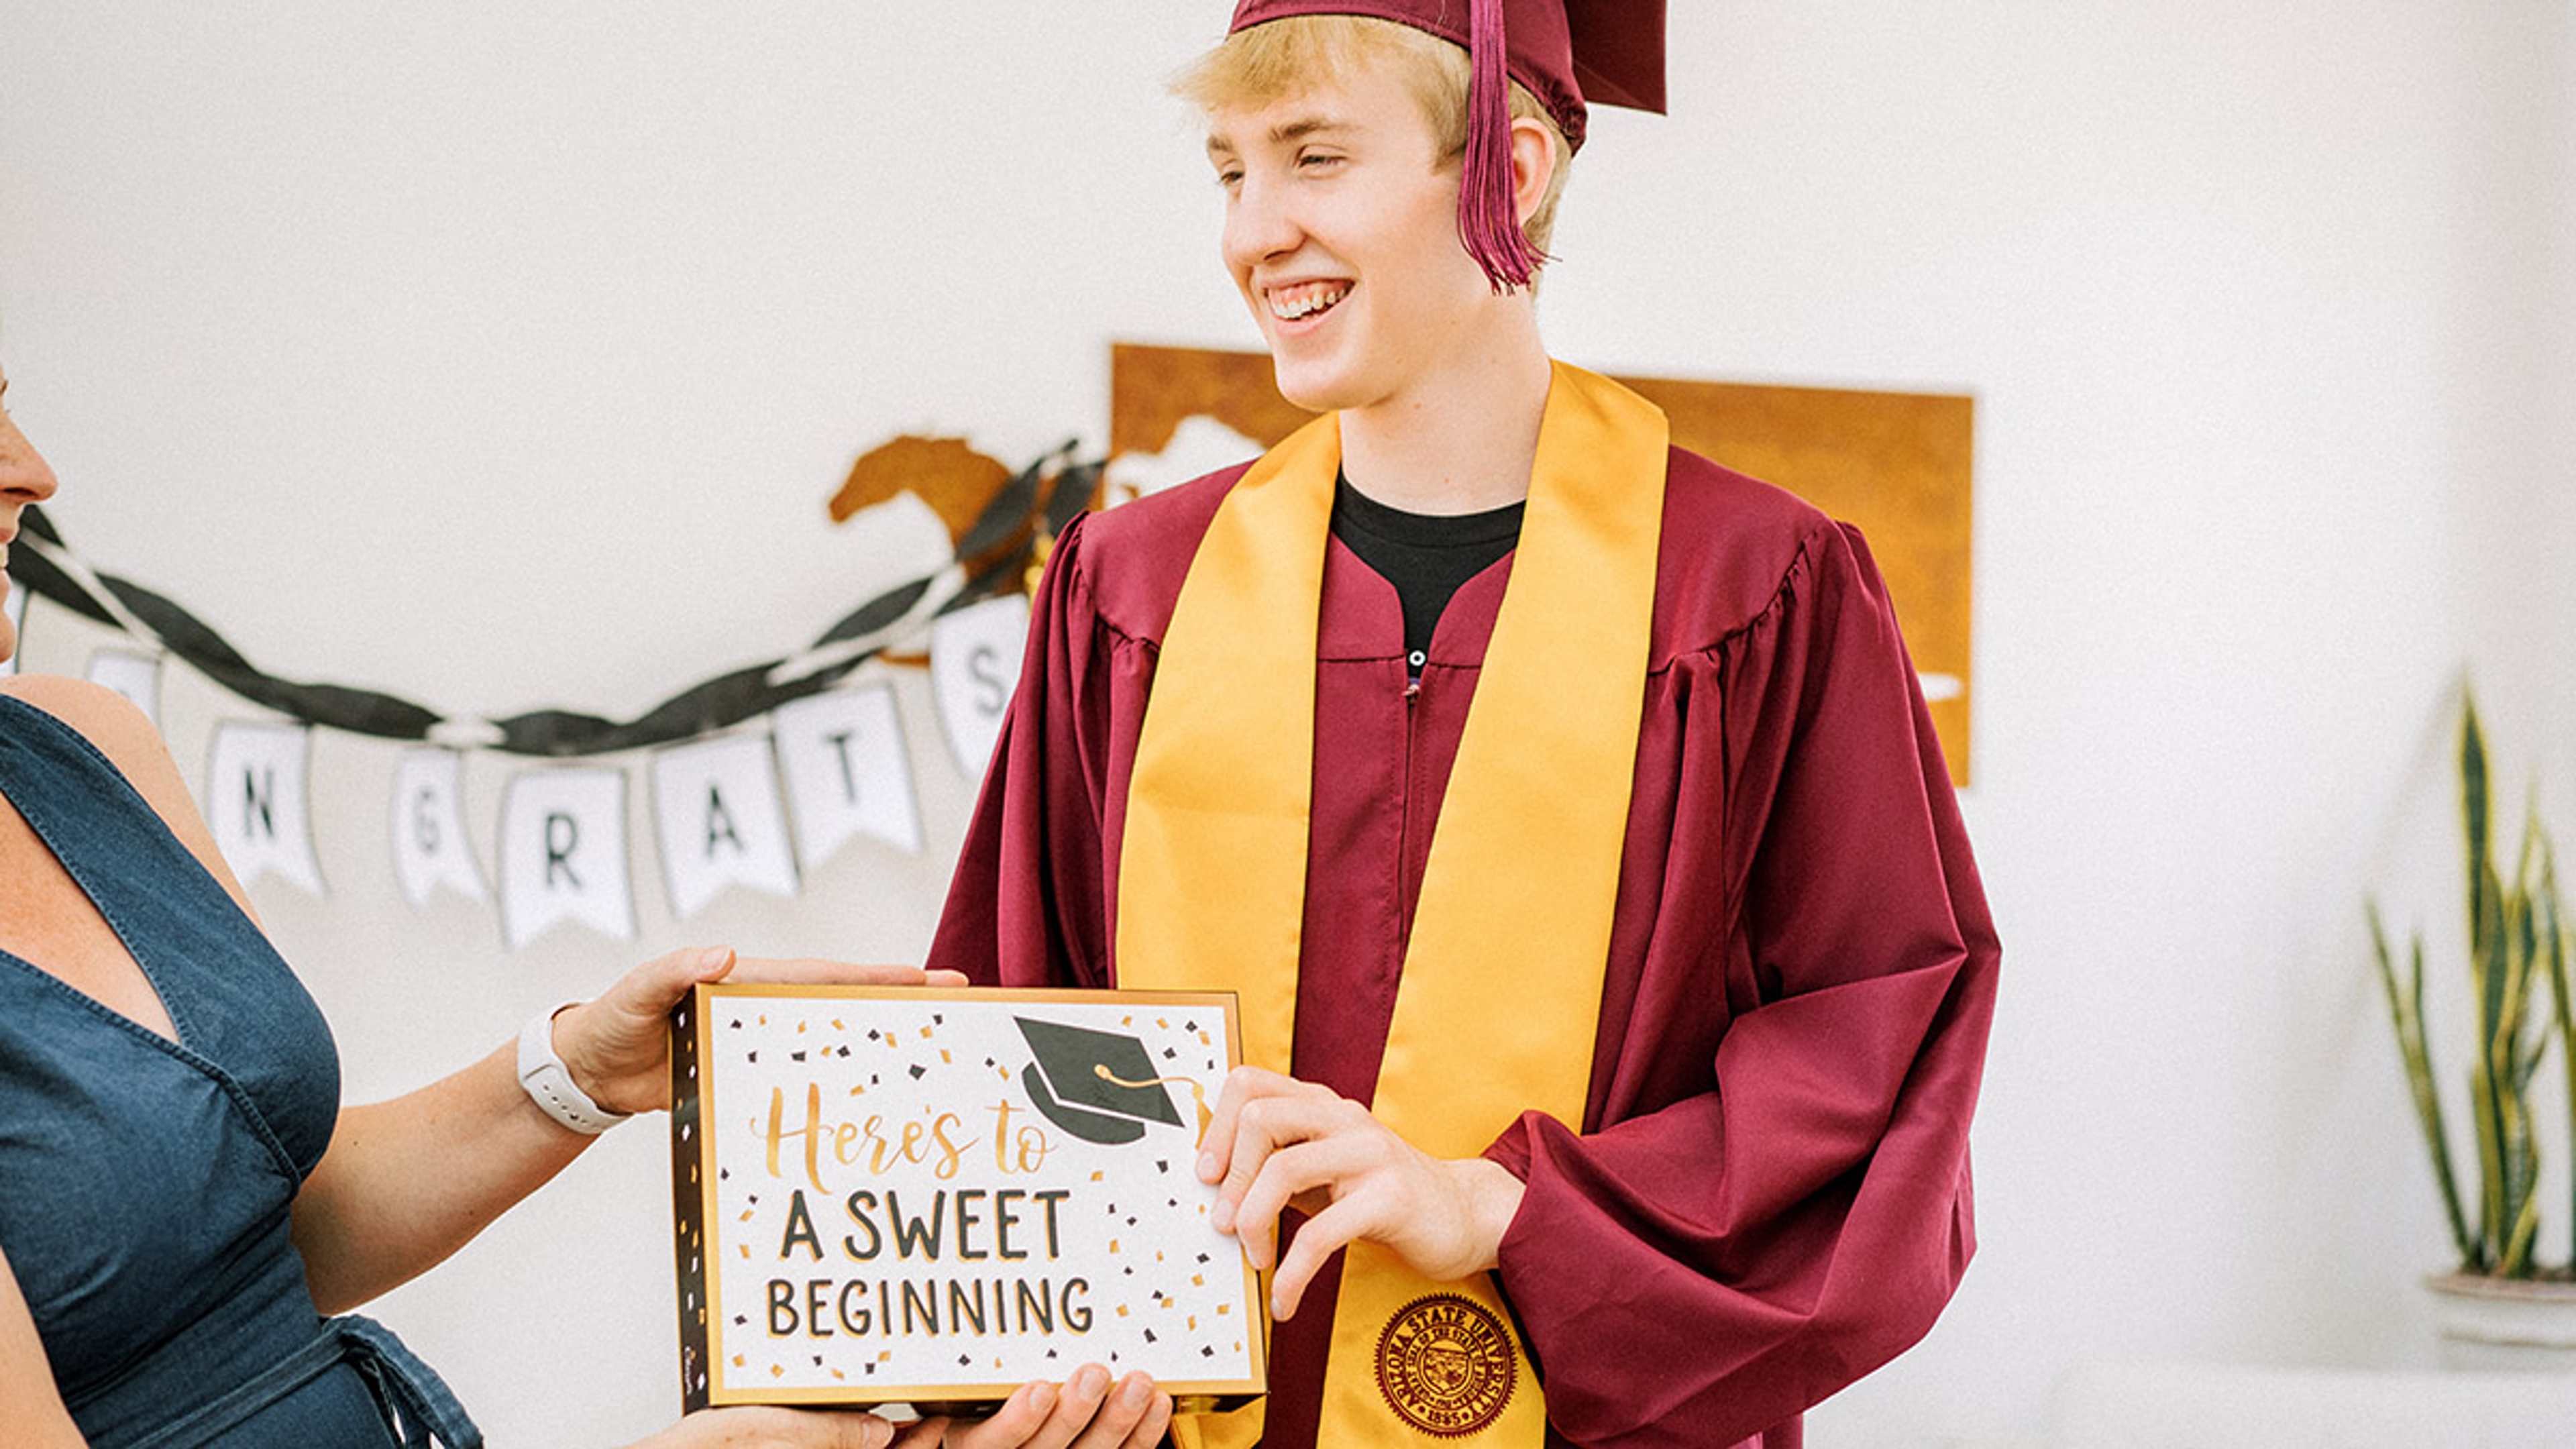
[1263, 63]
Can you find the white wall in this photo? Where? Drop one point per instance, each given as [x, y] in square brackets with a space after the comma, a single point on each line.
[504, 356]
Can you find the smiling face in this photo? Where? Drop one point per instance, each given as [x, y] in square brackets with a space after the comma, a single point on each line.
[24, 479]
[1341, 233]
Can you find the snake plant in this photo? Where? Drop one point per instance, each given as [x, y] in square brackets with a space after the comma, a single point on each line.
[2516, 942]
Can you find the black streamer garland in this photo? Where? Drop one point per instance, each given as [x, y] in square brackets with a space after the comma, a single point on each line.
[1038, 502]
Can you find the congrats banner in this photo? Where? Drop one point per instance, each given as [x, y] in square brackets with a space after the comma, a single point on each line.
[720, 822]
[255, 803]
[563, 854]
[846, 772]
[430, 850]
[136, 676]
[750, 779]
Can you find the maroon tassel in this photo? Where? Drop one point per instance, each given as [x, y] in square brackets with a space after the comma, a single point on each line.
[1488, 222]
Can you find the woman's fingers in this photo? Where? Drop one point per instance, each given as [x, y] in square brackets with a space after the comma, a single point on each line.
[1088, 1412]
[809, 971]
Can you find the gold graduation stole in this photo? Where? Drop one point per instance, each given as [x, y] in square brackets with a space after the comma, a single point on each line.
[1500, 996]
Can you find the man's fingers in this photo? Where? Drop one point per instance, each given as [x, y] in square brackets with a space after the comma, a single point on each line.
[1265, 1125]
[1301, 1167]
[1321, 1236]
[1243, 1085]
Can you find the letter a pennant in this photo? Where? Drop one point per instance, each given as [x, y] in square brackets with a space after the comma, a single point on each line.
[717, 813]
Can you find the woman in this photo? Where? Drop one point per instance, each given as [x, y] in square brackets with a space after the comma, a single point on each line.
[181, 1197]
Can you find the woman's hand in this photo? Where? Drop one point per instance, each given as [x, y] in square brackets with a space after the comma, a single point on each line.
[1275, 1142]
[1089, 1412]
[744, 1428]
[618, 1047]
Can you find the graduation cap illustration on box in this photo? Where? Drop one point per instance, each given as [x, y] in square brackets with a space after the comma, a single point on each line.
[1098, 1085]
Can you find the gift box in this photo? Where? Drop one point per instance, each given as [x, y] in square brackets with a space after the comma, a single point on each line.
[921, 1197]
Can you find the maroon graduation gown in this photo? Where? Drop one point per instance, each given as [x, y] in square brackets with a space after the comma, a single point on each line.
[1769, 1196]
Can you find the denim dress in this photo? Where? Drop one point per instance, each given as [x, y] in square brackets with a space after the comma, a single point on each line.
[145, 1183]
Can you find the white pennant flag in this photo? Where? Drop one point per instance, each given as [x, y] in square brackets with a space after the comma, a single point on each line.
[13, 603]
[430, 849]
[847, 774]
[136, 676]
[563, 854]
[255, 803]
[716, 811]
[974, 667]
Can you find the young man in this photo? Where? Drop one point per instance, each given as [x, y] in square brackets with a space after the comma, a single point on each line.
[1560, 805]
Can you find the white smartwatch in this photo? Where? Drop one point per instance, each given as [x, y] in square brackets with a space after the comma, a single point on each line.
[549, 1082]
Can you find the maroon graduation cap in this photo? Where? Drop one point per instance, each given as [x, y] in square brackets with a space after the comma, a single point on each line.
[1568, 52]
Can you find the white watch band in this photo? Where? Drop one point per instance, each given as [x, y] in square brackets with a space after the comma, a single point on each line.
[549, 1082]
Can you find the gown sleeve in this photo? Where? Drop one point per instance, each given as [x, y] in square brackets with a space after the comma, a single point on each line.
[1027, 905]
[1707, 1270]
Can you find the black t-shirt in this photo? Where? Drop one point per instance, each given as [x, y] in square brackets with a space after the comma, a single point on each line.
[1425, 555]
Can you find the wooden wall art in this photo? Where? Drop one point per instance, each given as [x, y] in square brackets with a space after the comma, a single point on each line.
[1896, 464]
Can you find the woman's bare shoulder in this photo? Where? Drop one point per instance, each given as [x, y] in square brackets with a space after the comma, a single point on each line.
[125, 735]
[99, 714]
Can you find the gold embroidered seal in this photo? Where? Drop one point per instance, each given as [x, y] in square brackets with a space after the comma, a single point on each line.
[1446, 1365]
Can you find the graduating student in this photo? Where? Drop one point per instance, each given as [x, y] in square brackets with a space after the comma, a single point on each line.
[1561, 805]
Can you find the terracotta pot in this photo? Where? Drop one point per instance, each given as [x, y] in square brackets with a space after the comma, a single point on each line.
[2509, 1324]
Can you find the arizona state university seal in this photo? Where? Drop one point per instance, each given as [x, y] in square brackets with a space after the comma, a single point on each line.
[1446, 1365]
